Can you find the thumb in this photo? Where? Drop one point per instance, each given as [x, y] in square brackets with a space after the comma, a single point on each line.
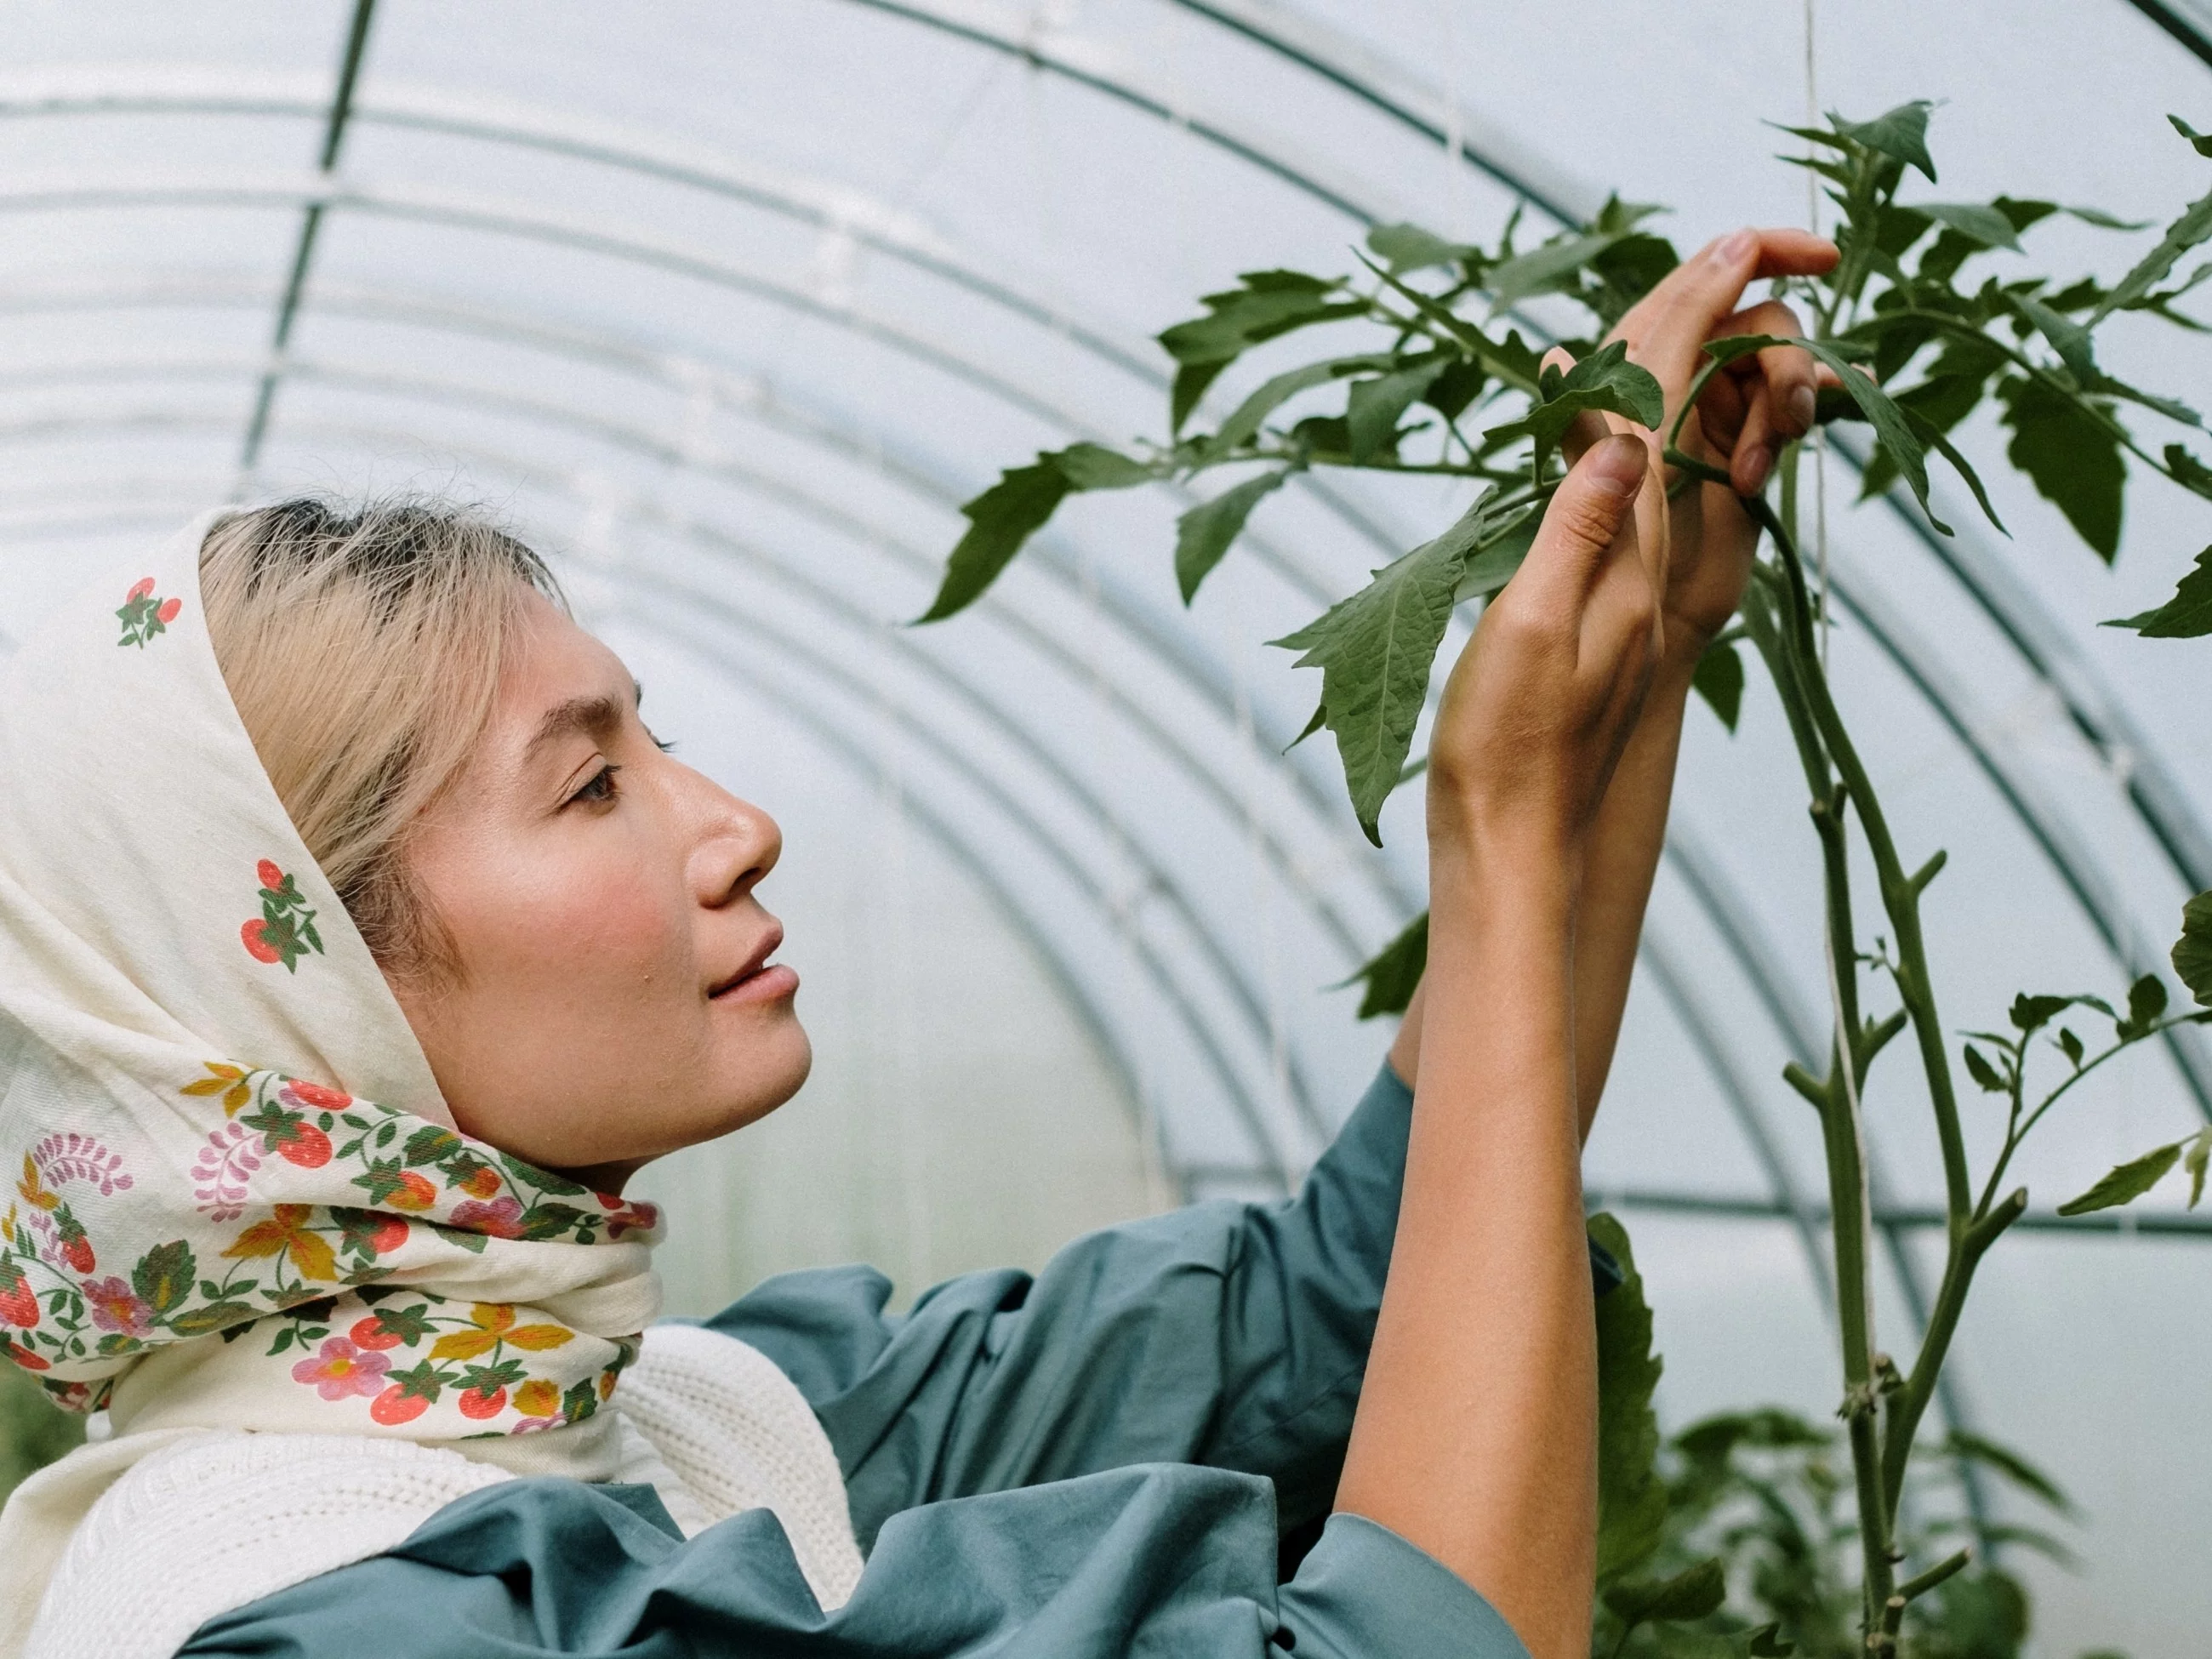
[1585, 516]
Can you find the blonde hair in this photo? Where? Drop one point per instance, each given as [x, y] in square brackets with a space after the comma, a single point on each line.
[362, 648]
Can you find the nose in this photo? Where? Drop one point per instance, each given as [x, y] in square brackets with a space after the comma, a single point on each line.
[734, 844]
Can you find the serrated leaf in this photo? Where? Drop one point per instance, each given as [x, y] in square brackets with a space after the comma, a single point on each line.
[2192, 228]
[2126, 1182]
[1500, 555]
[2072, 458]
[1393, 974]
[1204, 534]
[1690, 1594]
[1542, 269]
[1631, 1503]
[1409, 248]
[1511, 358]
[1000, 520]
[1374, 408]
[1605, 382]
[1269, 304]
[2192, 951]
[1375, 651]
[2186, 615]
[1719, 681]
[1900, 133]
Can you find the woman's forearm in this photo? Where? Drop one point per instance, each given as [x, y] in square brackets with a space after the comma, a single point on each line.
[1622, 856]
[1475, 1436]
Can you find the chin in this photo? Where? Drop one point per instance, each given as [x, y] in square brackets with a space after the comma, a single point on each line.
[766, 1072]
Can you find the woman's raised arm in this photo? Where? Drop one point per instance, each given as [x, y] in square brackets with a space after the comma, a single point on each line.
[1475, 1436]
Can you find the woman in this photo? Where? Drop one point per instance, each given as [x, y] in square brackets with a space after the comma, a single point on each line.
[340, 1007]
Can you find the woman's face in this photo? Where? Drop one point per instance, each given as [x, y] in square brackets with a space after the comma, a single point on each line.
[615, 999]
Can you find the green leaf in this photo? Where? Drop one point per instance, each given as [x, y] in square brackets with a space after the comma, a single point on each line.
[1500, 555]
[1000, 520]
[2003, 1461]
[1392, 975]
[2194, 1161]
[1631, 1498]
[2199, 141]
[1244, 421]
[1374, 408]
[2193, 227]
[1511, 359]
[2146, 1002]
[1094, 466]
[1203, 535]
[1543, 269]
[1901, 134]
[2188, 472]
[2033, 1013]
[164, 1276]
[1605, 381]
[2072, 458]
[1719, 681]
[2070, 1045]
[1984, 1074]
[1409, 248]
[1270, 303]
[1988, 225]
[1191, 381]
[2068, 338]
[2192, 951]
[2186, 615]
[1375, 651]
[2126, 1182]
[1690, 1595]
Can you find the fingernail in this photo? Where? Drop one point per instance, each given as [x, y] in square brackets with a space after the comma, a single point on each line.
[1802, 407]
[1733, 248]
[1756, 466]
[1616, 466]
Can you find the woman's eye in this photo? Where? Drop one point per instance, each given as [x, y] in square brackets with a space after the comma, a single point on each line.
[601, 785]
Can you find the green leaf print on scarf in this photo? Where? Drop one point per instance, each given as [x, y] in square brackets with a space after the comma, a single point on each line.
[285, 929]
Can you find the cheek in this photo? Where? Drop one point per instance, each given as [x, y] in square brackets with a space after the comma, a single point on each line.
[583, 932]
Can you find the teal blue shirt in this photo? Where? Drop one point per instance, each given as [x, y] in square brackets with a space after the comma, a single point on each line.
[1098, 1461]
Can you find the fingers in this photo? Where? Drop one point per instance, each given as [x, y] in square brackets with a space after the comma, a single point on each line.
[1668, 329]
[1775, 388]
[1587, 516]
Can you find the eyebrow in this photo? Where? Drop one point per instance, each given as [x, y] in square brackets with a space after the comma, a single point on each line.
[591, 716]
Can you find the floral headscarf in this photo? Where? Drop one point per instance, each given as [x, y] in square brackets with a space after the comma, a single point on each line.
[233, 1197]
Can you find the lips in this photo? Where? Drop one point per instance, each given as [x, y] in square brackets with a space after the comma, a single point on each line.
[753, 964]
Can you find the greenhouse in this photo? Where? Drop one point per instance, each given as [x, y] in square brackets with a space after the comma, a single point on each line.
[730, 312]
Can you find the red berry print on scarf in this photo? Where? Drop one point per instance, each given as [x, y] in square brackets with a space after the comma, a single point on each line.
[144, 615]
[285, 930]
[480, 1403]
[395, 1406]
[19, 1304]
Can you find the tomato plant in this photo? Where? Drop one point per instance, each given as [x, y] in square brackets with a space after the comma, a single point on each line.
[1919, 338]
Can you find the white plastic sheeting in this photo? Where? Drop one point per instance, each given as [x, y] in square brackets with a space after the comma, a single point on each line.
[730, 307]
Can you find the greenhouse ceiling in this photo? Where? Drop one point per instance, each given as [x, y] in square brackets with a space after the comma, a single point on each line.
[733, 307]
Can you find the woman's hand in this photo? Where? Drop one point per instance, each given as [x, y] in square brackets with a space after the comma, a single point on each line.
[1547, 692]
[1745, 415]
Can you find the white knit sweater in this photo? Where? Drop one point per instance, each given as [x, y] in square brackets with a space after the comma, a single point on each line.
[219, 1520]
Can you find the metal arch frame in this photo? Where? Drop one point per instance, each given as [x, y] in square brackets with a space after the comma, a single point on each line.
[2099, 716]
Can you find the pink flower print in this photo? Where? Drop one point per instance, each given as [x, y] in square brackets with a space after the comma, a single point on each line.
[628, 1215]
[341, 1369]
[115, 1307]
[72, 1157]
[501, 1218]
